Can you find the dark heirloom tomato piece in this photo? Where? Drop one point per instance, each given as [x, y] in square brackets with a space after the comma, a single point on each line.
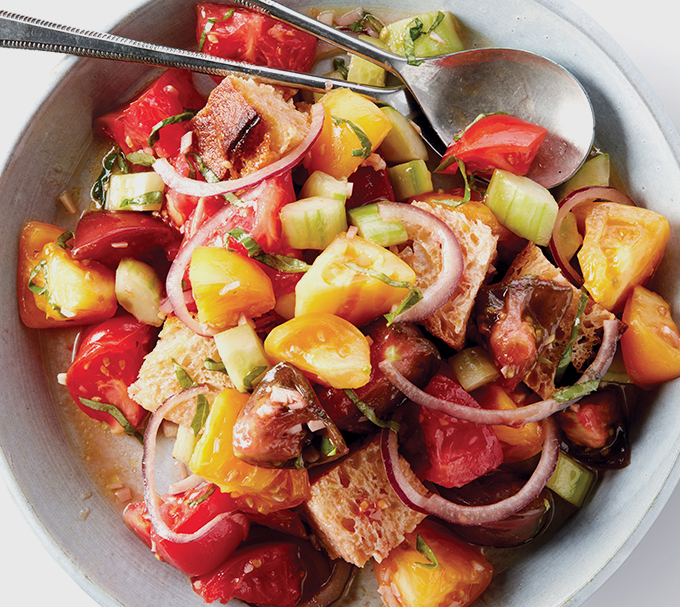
[109, 236]
[518, 318]
[107, 363]
[268, 574]
[442, 449]
[596, 429]
[131, 125]
[187, 513]
[252, 37]
[520, 528]
[369, 185]
[413, 355]
[283, 425]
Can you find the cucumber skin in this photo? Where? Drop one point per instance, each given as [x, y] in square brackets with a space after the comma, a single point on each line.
[410, 179]
[403, 143]
[574, 489]
[313, 223]
[138, 290]
[241, 351]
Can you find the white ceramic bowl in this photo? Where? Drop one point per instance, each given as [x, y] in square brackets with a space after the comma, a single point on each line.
[48, 481]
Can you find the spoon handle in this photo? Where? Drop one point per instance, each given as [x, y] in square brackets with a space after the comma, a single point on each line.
[17, 31]
[326, 32]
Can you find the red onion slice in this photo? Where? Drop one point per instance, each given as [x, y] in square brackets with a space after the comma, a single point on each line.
[510, 417]
[193, 187]
[335, 587]
[151, 498]
[441, 290]
[572, 200]
[435, 505]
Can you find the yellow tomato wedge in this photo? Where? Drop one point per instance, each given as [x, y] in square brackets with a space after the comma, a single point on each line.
[225, 285]
[213, 459]
[340, 281]
[325, 347]
[651, 343]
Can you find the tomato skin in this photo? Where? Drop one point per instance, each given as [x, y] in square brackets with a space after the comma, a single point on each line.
[651, 343]
[131, 125]
[98, 232]
[369, 185]
[462, 575]
[186, 513]
[458, 451]
[622, 247]
[253, 38]
[107, 363]
[270, 574]
[497, 141]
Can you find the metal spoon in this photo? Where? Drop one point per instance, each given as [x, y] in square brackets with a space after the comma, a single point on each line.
[485, 80]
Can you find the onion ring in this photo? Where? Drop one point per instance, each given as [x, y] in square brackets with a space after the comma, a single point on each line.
[572, 200]
[151, 498]
[193, 187]
[441, 290]
[510, 417]
[436, 505]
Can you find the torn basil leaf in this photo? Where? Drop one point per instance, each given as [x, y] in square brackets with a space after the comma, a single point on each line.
[209, 25]
[369, 413]
[143, 200]
[214, 365]
[43, 289]
[426, 551]
[565, 359]
[176, 119]
[63, 239]
[112, 161]
[339, 65]
[365, 142]
[202, 406]
[252, 375]
[114, 412]
[576, 391]
[281, 263]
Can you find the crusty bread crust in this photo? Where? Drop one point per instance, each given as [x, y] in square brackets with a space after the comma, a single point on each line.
[478, 244]
[157, 380]
[531, 261]
[354, 511]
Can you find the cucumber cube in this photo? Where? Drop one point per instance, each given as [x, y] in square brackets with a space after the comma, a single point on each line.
[522, 205]
[366, 72]
[473, 368]
[374, 228]
[441, 40]
[138, 290]
[184, 444]
[403, 143]
[410, 179]
[135, 192]
[595, 171]
[313, 223]
[323, 185]
[571, 481]
[243, 355]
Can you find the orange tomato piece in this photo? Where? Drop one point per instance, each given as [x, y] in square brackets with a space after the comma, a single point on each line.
[651, 344]
[333, 286]
[461, 576]
[517, 444]
[341, 146]
[622, 247]
[227, 284]
[213, 459]
[328, 349]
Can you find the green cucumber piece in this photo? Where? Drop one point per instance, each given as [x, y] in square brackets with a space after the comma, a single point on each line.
[617, 373]
[374, 228]
[135, 192]
[522, 205]
[138, 289]
[595, 171]
[313, 223]
[323, 185]
[442, 40]
[363, 71]
[403, 143]
[242, 353]
[184, 444]
[571, 481]
[473, 368]
[410, 179]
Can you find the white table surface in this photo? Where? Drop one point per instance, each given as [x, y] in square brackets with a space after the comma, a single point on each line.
[649, 577]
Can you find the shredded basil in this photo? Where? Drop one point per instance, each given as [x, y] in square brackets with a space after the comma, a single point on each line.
[426, 551]
[327, 447]
[203, 169]
[576, 391]
[565, 359]
[209, 25]
[202, 498]
[339, 65]
[360, 24]
[369, 413]
[177, 118]
[143, 200]
[281, 263]
[141, 159]
[202, 407]
[252, 375]
[63, 239]
[366, 145]
[43, 290]
[408, 302]
[110, 162]
[114, 412]
[214, 365]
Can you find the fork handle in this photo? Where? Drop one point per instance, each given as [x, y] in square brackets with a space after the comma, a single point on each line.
[325, 32]
[18, 31]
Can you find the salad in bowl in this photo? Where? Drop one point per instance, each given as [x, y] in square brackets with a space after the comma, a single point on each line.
[307, 360]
